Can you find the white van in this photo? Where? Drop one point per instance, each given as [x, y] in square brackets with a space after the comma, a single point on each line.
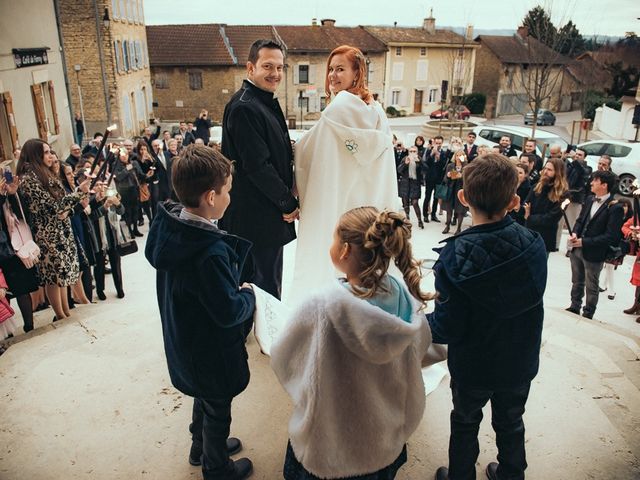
[490, 135]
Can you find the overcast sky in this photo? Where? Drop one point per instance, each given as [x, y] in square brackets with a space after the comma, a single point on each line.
[593, 17]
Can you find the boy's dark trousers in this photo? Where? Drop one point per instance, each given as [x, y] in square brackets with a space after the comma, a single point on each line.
[210, 426]
[507, 407]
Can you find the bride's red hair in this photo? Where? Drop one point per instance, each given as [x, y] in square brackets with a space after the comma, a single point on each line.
[359, 64]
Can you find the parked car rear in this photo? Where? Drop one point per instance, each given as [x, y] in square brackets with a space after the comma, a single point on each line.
[461, 113]
[545, 117]
[625, 160]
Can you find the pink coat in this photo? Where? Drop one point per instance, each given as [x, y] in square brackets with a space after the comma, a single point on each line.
[5, 309]
[635, 273]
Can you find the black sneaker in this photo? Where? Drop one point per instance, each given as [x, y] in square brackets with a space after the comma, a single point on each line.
[492, 471]
[442, 473]
[234, 445]
[573, 310]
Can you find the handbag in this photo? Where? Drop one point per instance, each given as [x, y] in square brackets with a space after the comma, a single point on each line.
[442, 191]
[126, 244]
[145, 194]
[21, 238]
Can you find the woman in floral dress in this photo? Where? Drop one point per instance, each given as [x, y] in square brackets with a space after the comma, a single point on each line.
[50, 209]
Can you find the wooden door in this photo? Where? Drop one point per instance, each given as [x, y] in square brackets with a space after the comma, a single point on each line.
[417, 102]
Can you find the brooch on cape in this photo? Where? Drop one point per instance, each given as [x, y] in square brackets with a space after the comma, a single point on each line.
[352, 146]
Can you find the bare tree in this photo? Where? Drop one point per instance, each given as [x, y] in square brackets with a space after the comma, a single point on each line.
[458, 69]
[541, 71]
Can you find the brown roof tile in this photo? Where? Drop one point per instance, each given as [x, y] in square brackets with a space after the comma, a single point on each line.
[241, 37]
[589, 72]
[511, 49]
[323, 39]
[416, 35]
[195, 44]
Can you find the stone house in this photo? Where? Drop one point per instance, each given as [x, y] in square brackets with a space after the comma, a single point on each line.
[33, 97]
[308, 47]
[506, 71]
[221, 58]
[419, 59]
[105, 49]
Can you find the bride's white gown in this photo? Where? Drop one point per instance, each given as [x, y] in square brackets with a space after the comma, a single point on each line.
[345, 161]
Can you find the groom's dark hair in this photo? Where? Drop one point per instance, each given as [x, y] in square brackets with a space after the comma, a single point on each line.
[258, 45]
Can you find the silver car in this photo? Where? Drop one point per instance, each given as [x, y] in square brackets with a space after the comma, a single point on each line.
[545, 117]
[625, 158]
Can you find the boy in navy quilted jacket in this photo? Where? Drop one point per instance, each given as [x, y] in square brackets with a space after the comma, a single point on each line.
[490, 281]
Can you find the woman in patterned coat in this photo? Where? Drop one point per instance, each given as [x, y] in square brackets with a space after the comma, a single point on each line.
[50, 209]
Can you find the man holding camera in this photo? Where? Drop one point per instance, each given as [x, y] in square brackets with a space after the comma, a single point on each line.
[203, 124]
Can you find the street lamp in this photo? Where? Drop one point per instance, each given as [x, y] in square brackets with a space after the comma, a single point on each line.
[105, 18]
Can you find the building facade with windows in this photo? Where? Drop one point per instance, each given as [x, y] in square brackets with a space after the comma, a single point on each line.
[105, 47]
[33, 97]
[308, 47]
[199, 66]
[417, 62]
[511, 70]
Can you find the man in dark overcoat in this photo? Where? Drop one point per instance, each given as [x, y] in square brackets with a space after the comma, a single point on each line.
[255, 136]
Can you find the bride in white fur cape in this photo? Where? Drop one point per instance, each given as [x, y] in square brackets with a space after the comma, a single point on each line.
[345, 161]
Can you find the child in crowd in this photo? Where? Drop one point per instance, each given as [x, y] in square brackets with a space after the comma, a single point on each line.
[351, 355]
[204, 311]
[490, 281]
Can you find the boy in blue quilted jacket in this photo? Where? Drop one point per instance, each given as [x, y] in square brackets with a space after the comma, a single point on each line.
[490, 281]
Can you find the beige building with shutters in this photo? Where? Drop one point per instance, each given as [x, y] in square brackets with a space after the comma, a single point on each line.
[33, 98]
[419, 59]
[105, 48]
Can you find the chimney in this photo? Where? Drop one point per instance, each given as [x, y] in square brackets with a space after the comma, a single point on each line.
[468, 34]
[328, 22]
[523, 32]
[429, 23]
[314, 22]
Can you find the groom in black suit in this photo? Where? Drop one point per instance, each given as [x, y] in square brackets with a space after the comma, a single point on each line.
[255, 136]
[598, 227]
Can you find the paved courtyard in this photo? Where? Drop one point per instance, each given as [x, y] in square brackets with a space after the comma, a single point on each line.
[90, 397]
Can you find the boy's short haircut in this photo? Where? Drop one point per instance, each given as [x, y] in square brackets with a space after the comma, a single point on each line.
[198, 170]
[489, 183]
[605, 176]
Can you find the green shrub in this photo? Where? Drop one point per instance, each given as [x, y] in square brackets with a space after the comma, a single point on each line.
[391, 111]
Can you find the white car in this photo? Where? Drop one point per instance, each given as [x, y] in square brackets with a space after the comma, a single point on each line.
[490, 135]
[625, 158]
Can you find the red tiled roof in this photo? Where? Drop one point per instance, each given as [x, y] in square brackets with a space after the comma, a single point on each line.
[195, 44]
[323, 39]
[512, 49]
[416, 35]
[241, 37]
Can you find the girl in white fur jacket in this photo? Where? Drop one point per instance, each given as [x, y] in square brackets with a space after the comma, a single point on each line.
[351, 357]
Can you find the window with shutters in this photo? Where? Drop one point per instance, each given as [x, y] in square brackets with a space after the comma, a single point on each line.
[161, 81]
[303, 73]
[118, 52]
[125, 55]
[423, 51]
[421, 71]
[123, 10]
[433, 95]
[8, 127]
[395, 97]
[114, 9]
[195, 80]
[44, 104]
[323, 103]
[398, 71]
[132, 55]
[303, 103]
[398, 51]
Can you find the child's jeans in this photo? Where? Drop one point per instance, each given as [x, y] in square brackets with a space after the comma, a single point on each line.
[507, 407]
[210, 426]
